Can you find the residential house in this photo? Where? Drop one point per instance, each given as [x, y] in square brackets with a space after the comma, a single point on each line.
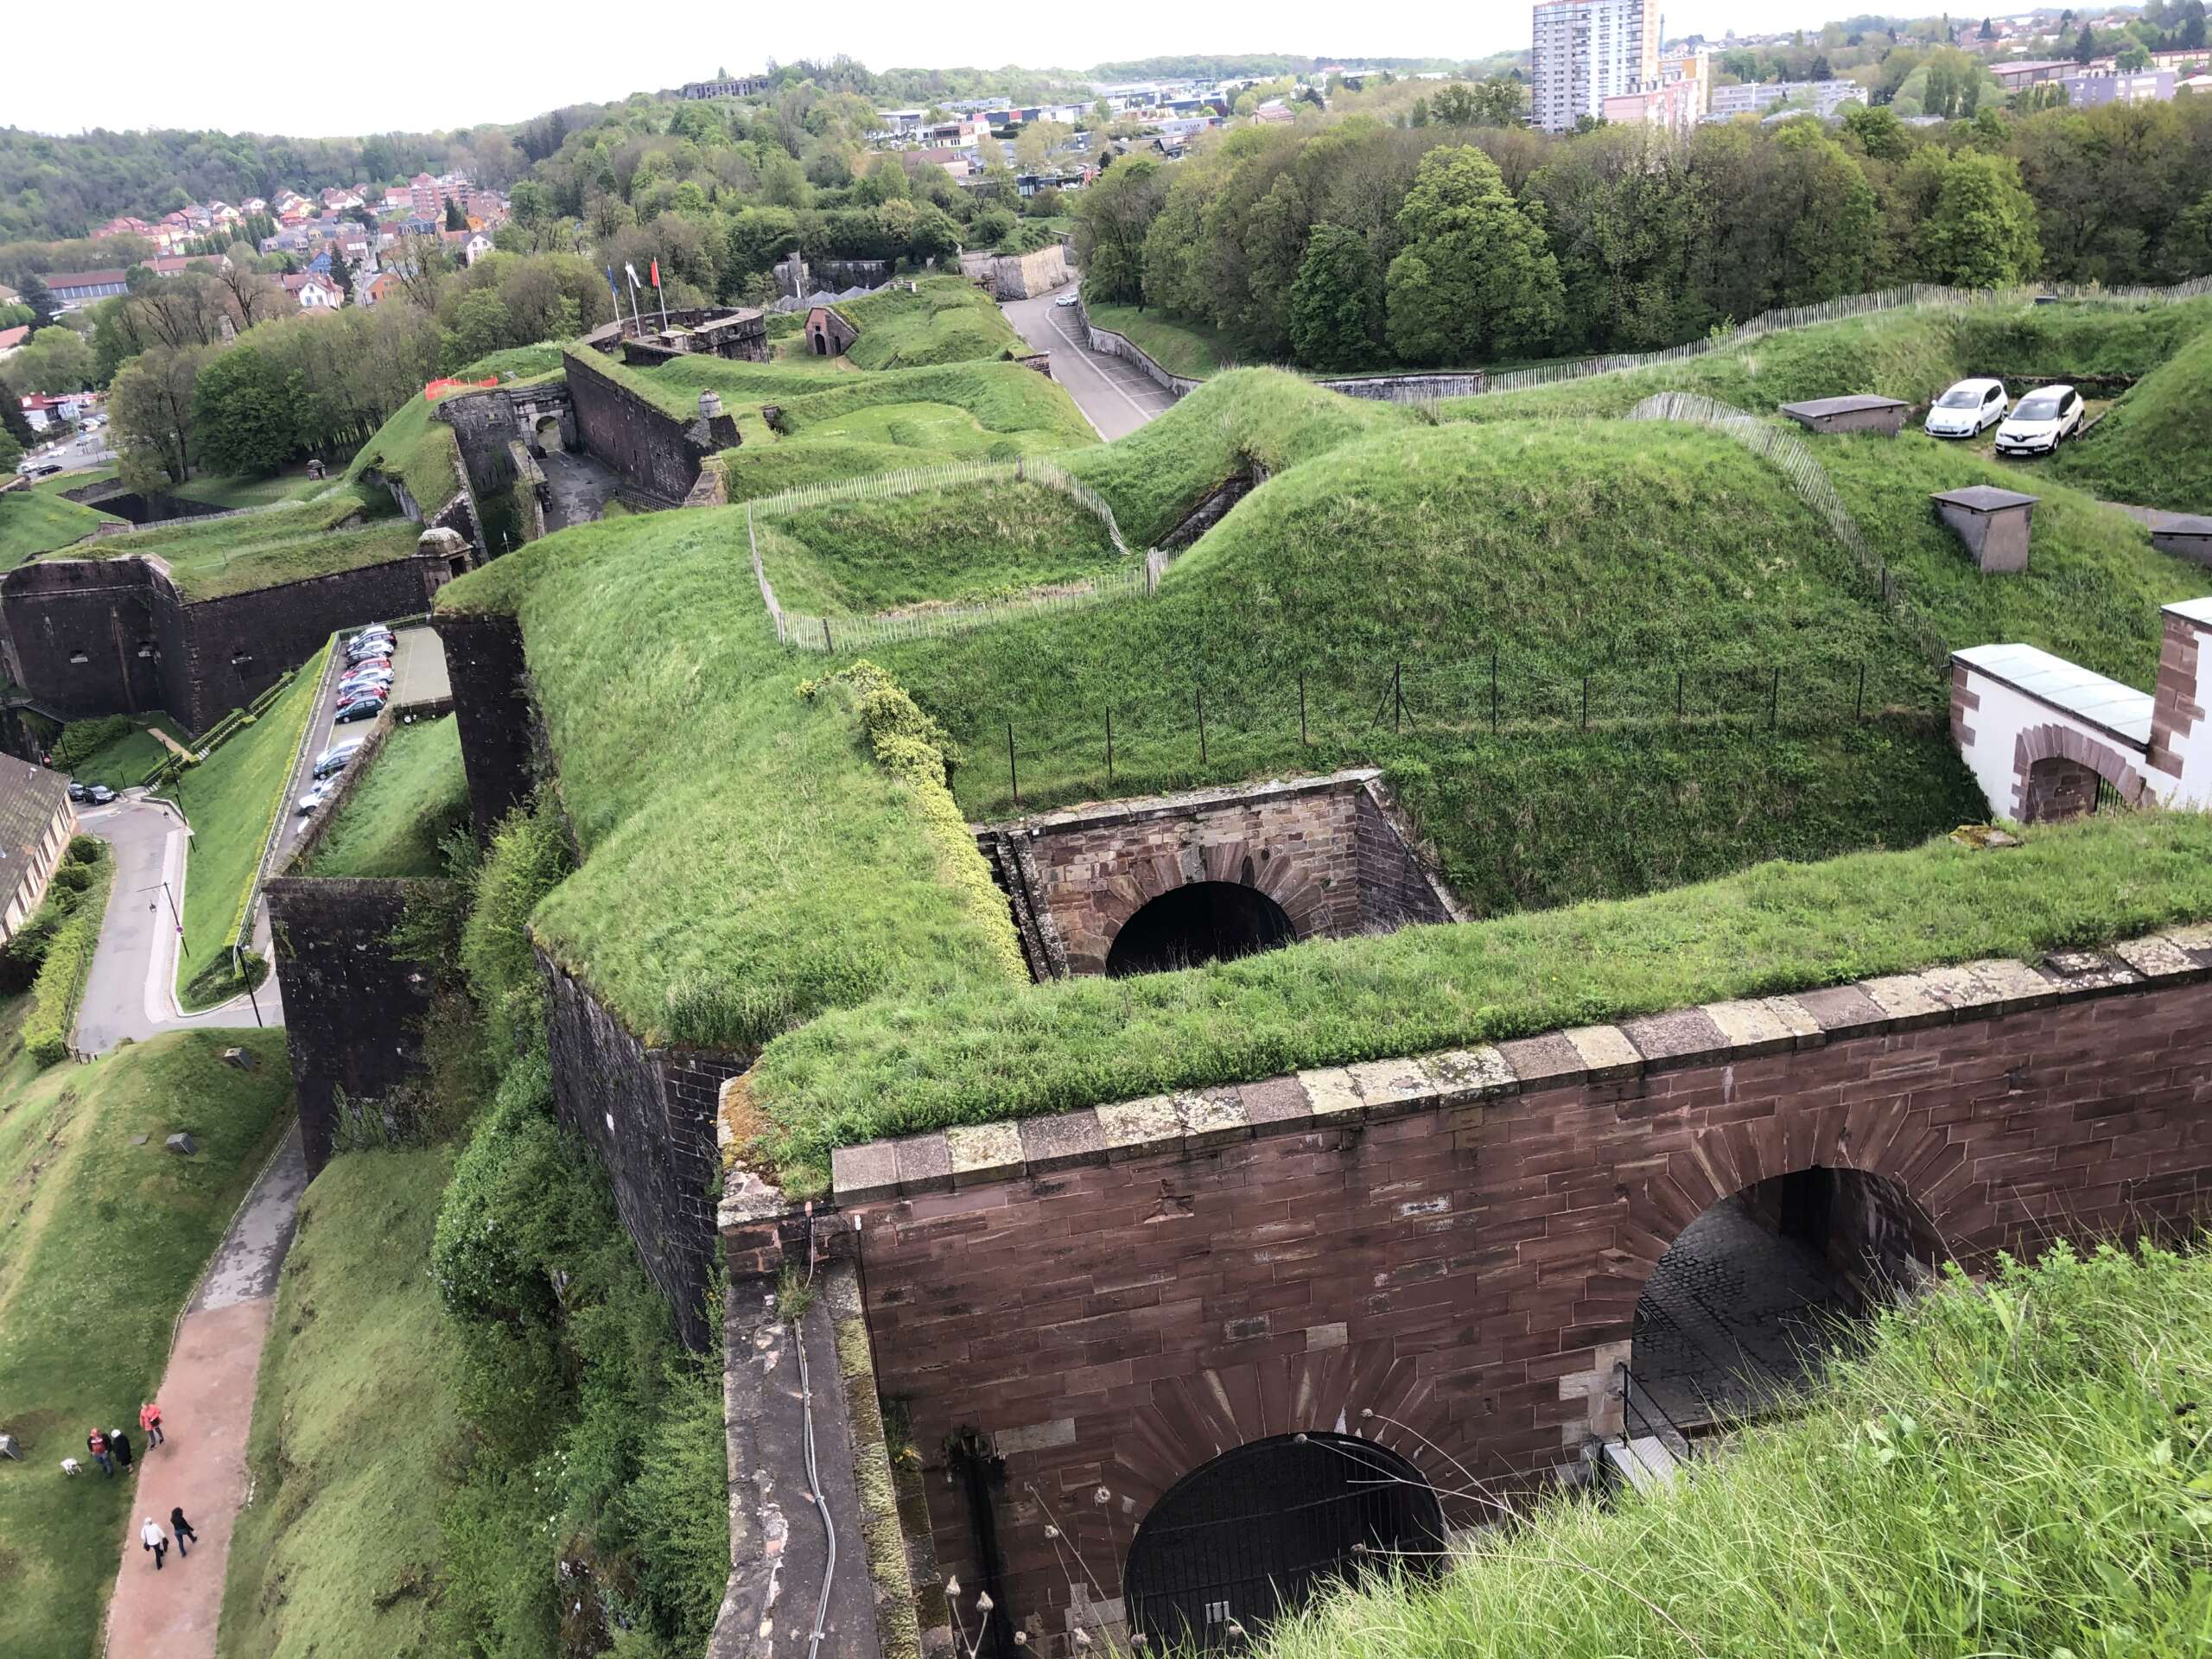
[726, 86]
[1823, 97]
[1674, 107]
[80, 288]
[312, 292]
[11, 340]
[2140, 86]
[377, 288]
[475, 246]
[36, 820]
[41, 411]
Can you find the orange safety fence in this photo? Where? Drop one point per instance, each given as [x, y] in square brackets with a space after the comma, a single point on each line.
[438, 389]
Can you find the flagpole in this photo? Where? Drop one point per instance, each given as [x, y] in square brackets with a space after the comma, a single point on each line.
[663, 292]
[637, 325]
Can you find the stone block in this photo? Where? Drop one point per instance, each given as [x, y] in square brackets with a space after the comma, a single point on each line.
[1842, 1011]
[1682, 1035]
[1332, 1096]
[983, 1153]
[865, 1174]
[2156, 957]
[1545, 1062]
[1466, 1074]
[182, 1144]
[1277, 1104]
[1062, 1142]
[1749, 1027]
[924, 1165]
[1137, 1128]
[1392, 1087]
[1211, 1117]
[1607, 1050]
[1907, 999]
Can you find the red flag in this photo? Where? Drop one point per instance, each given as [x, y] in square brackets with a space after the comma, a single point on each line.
[655, 273]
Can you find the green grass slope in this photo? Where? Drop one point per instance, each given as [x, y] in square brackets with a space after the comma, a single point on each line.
[1262, 417]
[36, 521]
[2093, 584]
[827, 884]
[230, 798]
[1005, 399]
[413, 447]
[211, 558]
[974, 541]
[944, 320]
[1912, 354]
[357, 1442]
[100, 1241]
[1181, 345]
[2011, 1470]
[2154, 448]
[396, 819]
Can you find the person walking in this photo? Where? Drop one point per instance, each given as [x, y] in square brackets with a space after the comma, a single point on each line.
[150, 1420]
[181, 1528]
[119, 1444]
[151, 1537]
[96, 1443]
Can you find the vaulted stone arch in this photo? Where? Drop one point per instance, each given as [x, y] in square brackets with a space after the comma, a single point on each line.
[2049, 765]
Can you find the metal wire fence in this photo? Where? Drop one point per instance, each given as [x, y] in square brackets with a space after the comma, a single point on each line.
[1148, 736]
[1137, 577]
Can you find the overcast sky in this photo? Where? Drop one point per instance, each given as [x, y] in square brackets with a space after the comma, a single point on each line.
[426, 65]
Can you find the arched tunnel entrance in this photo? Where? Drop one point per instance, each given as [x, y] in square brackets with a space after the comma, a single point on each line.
[1206, 921]
[1263, 1527]
[1756, 1292]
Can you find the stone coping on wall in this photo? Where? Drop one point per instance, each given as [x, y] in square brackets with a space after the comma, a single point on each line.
[1145, 809]
[1713, 1033]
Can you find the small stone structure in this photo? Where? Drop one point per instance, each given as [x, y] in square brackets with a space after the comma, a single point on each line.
[740, 334]
[2189, 538]
[1994, 523]
[656, 453]
[829, 331]
[1326, 850]
[1857, 413]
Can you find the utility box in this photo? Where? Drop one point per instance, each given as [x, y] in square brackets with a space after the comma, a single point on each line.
[1992, 523]
[2190, 537]
[1857, 413]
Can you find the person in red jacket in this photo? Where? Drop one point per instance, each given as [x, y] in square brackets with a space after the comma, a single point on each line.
[150, 1418]
[96, 1443]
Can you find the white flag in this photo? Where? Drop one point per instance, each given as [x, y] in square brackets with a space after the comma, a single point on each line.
[633, 271]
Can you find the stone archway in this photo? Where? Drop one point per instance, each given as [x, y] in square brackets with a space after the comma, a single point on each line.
[1751, 1298]
[2056, 770]
[1198, 922]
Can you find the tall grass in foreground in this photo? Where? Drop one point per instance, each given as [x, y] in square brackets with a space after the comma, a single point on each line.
[2023, 1469]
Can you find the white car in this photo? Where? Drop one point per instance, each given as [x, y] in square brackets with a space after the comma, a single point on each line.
[1066, 300]
[1968, 409]
[315, 796]
[2041, 420]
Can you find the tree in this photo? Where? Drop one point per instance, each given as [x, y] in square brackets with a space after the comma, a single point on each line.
[481, 325]
[1982, 233]
[242, 407]
[2134, 56]
[758, 237]
[11, 453]
[1111, 219]
[1333, 304]
[1880, 135]
[1984, 32]
[1476, 277]
[54, 361]
[150, 414]
[37, 296]
[13, 423]
[2085, 45]
[455, 220]
[341, 274]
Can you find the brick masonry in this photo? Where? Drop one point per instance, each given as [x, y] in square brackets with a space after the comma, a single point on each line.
[1456, 1244]
[353, 1010]
[657, 455]
[650, 1115]
[2176, 691]
[1326, 850]
[2056, 771]
[492, 701]
[144, 647]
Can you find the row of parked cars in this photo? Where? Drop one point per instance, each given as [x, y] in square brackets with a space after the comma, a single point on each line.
[2036, 425]
[363, 691]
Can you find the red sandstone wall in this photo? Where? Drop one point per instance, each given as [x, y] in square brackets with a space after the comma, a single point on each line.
[1468, 1273]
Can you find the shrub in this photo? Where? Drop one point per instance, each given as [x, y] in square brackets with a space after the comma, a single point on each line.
[60, 982]
[529, 856]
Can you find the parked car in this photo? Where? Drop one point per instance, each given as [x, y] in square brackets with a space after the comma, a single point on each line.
[336, 758]
[99, 794]
[1066, 300]
[380, 654]
[2041, 420]
[78, 791]
[315, 795]
[368, 636]
[1968, 409]
[366, 683]
[364, 708]
[369, 671]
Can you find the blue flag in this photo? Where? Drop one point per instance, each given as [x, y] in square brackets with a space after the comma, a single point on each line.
[612, 289]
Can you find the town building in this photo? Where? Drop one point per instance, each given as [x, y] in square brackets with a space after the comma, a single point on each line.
[1584, 52]
[2122, 86]
[1675, 106]
[36, 820]
[42, 411]
[314, 293]
[1823, 98]
[726, 86]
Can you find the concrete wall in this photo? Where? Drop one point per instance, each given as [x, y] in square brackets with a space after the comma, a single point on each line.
[653, 451]
[2003, 734]
[353, 1011]
[1457, 1245]
[1020, 277]
[649, 1115]
[490, 696]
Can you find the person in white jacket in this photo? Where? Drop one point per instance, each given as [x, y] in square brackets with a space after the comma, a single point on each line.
[154, 1539]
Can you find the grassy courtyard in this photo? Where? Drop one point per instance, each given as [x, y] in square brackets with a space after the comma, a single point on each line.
[398, 815]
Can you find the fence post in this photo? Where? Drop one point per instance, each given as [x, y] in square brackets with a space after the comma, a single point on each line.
[1109, 748]
[1858, 703]
[1013, 776]
[1397, 698]
[1773, 699]
[1678, 696]
[1493, 690]
[1585, 702]
[1201, 695]
[1303, 741]
[826, 646]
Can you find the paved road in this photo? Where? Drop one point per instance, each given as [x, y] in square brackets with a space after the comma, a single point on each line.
[581, 486]
[207, 1409]
[132, 990]
[1115, 397]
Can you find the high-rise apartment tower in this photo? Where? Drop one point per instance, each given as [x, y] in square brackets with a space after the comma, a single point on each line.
[1586, 51]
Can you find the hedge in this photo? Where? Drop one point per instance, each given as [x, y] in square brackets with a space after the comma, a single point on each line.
[60, 983]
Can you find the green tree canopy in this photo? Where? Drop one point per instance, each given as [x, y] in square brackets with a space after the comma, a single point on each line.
[1475, 279]
[242, 408]
[1335, 304]
[1983, 230]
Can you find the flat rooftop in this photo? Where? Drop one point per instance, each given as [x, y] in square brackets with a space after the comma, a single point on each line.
[2120, 709]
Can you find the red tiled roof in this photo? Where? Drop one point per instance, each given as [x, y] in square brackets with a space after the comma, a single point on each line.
[16, 336]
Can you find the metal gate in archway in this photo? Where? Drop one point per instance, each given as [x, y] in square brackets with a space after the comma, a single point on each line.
[1261, 1528]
